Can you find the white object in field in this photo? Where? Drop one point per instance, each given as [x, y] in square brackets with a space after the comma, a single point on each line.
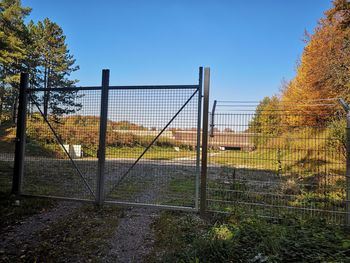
[17, 203]
[222, 148]
[177, 149]
[66, 147]
[75, 151]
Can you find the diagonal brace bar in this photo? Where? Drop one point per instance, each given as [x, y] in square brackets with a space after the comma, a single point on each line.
[61, 143]
[155, 139]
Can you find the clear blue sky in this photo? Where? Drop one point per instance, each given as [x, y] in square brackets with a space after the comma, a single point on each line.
[250, 45]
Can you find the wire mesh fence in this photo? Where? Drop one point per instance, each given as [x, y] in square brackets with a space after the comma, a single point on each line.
[272, 159]
[278, 158]
[7, 146]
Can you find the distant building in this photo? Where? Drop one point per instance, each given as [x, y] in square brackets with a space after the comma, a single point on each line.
[223, 140]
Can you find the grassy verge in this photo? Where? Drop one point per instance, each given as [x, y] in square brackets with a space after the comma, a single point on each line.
[80, 237]
[9, 212]
[283, 160]
[185, 238]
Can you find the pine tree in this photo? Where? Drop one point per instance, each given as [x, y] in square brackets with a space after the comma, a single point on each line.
[52, 66]
[13, 42]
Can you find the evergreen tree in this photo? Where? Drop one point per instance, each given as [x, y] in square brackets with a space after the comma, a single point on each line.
[52, 66]
[13, 43]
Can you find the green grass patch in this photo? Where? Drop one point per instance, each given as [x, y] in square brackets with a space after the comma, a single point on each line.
[185, 238]
[129, 189]
[180, 192]
[154, 153]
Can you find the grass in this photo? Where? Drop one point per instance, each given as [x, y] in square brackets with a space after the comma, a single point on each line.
[80, 237]
[298, 170]
[180, 192]
[128, 189]
[6, 171]
[264, 193]
[184, 237]
[283, 160]
[154, 153]
[9, 212]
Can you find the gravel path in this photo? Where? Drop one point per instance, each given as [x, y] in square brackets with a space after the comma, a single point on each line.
[134, 238]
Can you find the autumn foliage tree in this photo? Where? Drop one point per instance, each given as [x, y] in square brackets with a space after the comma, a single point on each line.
[324, 68]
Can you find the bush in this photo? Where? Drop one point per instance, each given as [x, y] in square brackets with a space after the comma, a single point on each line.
[336, 137]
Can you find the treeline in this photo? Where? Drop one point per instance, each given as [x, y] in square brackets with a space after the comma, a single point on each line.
[84, 130]
[322, 73]
[39, 49]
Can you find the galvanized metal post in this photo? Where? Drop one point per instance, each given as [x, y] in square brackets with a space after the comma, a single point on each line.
[20, 135]
[199, 130]
[101, 154]
[203, 204]
[348, 168]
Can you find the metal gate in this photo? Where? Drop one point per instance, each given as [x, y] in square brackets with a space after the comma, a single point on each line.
[134, 145]
[147, 146]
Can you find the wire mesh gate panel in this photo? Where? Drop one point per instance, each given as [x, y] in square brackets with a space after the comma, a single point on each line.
[152, 156]
[275, 159]
[60, 158]
[147, 144]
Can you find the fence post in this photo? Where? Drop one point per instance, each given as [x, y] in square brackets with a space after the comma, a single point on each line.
[203, 204]
[346, 108]
[348, 168]
[20, 135]
[101, 153]
[199, 130]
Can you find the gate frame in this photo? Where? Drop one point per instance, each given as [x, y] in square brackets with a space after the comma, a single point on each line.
[204, 170]
[99, 196]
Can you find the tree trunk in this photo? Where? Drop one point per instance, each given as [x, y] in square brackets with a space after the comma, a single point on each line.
[45, 102]
[14, 108]
[1, 106]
